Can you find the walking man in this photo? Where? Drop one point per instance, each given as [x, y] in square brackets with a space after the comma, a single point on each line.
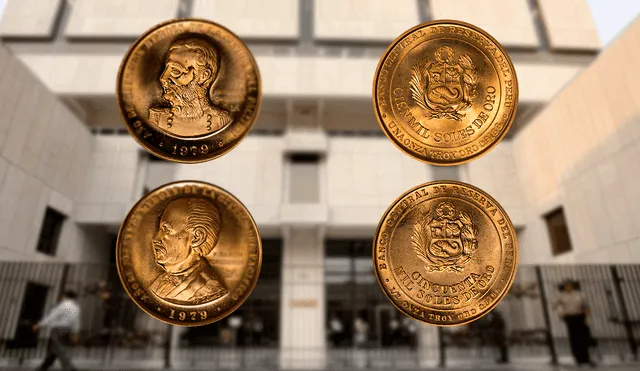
[64, 322]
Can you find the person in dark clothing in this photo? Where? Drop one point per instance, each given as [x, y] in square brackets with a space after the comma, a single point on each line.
[498, 334]
[571, 306]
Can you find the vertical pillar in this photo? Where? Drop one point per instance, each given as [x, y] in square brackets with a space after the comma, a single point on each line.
[429, 347]
[547, 317]
[170, 343]
[302, 310]
[617, 285]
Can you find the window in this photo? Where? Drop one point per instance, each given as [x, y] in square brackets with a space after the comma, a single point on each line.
[50, 231]
[445, 172]
[558, 232]
[304, 179]
[352, 292]
[348, 260]
[261, 310]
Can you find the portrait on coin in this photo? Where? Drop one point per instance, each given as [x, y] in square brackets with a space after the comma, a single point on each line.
[187, 232]
[190, 69]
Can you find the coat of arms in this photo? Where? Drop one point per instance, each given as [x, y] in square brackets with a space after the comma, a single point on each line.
[444, 88]
[447, 241]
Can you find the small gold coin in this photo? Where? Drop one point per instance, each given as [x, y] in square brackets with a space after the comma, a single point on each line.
[188, 90]
[445, 253]
[188, 253]
[445, 92]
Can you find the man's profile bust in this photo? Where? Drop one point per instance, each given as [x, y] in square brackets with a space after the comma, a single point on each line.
[188, 230]
[191, 68]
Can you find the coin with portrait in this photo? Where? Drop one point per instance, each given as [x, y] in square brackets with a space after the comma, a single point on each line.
[188, 90]
[445, 253]
[445, 92]
[188, 253]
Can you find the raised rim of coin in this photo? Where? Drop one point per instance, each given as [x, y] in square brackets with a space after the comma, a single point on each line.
[413, 308]
[380, 116]
[189, 308]
[180, 149]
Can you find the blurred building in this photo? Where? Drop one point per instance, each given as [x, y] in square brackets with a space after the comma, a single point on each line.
[316, 171]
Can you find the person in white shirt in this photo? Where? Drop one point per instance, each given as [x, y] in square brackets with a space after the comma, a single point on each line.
[573, 309]
[64, 322]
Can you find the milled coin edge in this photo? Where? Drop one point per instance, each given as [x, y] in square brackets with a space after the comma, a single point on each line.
[429, 160]
[516, 253]
[231, 308]
[177, 159]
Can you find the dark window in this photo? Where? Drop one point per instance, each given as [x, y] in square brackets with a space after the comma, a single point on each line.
[260, 313]
[352, 291]
[35, 296]
[352, 248]
[50, 231]
[271, 260]
[304, 178]
[305, 158]
[558, 232]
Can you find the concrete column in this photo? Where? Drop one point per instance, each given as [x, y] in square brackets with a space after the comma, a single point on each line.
[428, 346]
[302, 313]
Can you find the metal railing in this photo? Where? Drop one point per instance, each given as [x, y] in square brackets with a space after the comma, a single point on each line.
[114, 331]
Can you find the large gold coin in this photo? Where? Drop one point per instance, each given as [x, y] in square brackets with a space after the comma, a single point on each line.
[445, 92]
[188, 253]
[445, 253]
[188, 90]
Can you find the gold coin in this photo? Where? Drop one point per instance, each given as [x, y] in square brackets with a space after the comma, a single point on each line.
[445, 253]
[188, 253]
[445, 92]
[188, 90]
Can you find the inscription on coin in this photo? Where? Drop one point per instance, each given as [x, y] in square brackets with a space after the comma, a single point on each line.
[188, 253]
[189, 90]
[445, 253]
[445, 92]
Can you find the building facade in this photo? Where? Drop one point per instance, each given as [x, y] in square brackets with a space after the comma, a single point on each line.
[316, 172]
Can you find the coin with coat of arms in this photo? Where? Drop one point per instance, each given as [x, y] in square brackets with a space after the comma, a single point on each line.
[445, 253]
[188, 253]
[188, 90]
[445, 92]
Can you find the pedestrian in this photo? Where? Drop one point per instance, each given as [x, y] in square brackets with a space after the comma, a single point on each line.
[395, 332]
[361, 329]
[361, 337]
[573, 309]
[497, 331]
[257, 327]
[335, 330]
[64, 322]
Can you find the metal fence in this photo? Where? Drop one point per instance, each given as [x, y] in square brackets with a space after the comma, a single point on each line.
[115, 331]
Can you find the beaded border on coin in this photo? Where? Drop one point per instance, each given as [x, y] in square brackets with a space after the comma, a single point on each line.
[381, 246]
[165, 312]
[184, 149]
[381, 116]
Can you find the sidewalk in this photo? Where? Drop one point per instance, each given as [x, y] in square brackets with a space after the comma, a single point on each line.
[520, 367]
